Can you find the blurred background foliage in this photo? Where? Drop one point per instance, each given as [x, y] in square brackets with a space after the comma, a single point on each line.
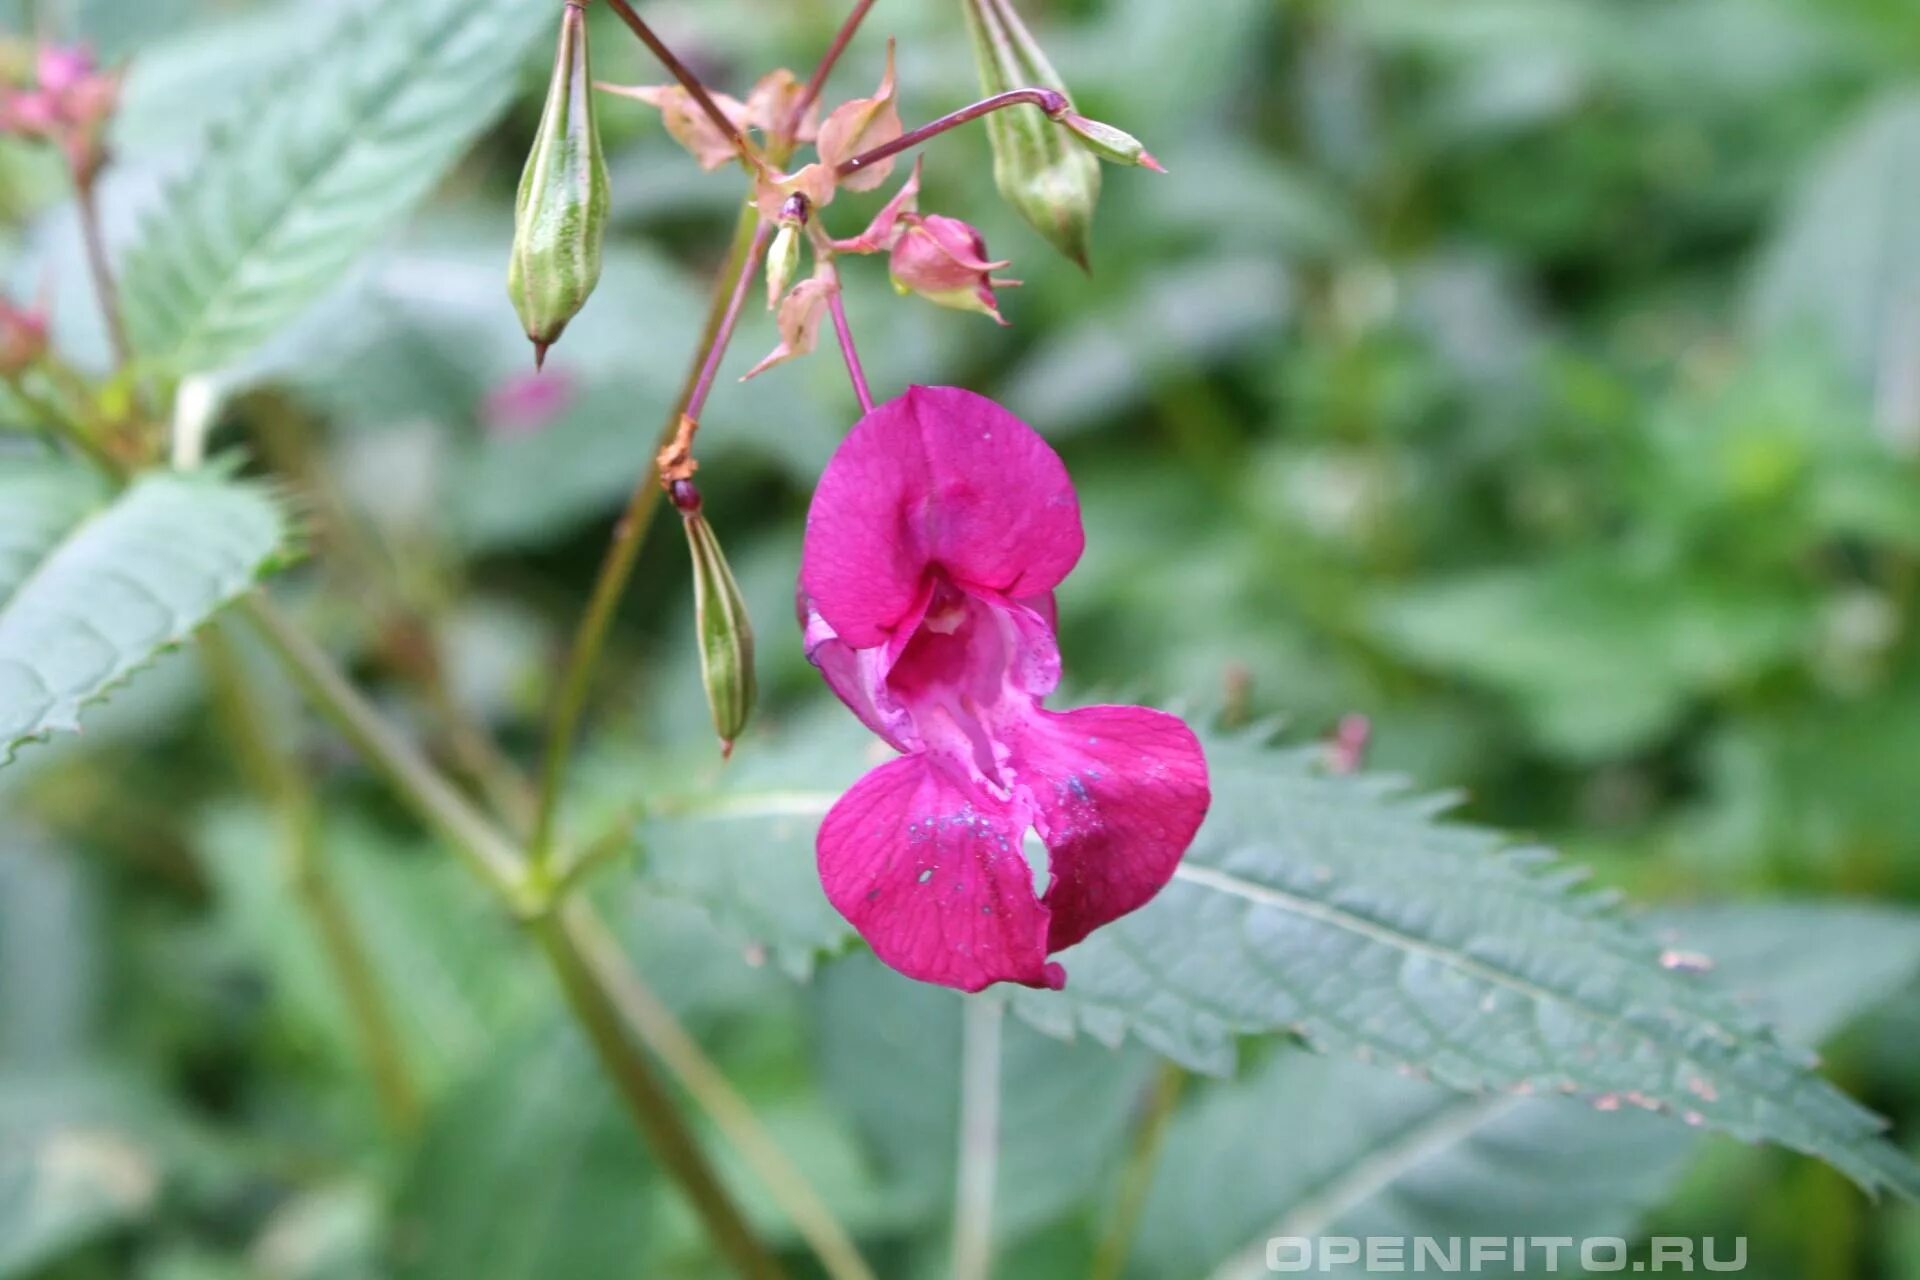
[1539, 378]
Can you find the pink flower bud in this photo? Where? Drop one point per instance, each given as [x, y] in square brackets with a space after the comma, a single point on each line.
[944, 260]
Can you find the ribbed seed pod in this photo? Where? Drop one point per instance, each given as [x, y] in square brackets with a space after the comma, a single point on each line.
[720, 618]
[1048, 178]
[560, 219]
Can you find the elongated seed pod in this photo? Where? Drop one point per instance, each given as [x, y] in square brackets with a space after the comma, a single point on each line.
[560, 218]
[1049, 179]
[720, 618]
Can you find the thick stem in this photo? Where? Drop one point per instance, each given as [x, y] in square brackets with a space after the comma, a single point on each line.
[818, 80]
[280, 784]
[100, 267]
[492, 856]
[1111, 1258]
[979, 1138]
[624, 550]
[687, 79]
[858, 375]
[662, 1033]
[581, 960]
[581, 964]
[1047, 100]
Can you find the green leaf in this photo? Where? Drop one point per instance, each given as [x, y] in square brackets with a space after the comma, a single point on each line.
[889, 1054]
[444, 960]
[1844, 264]
[314, 166]
[1371, 1153]
[1598, 657]
[105, 595]
[712, 844]
[80, 1155]
[1343, 910]
[528, 1171]
[40, 501]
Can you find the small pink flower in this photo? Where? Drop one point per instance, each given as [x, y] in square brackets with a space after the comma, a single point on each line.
[935, 539]
[944, 260]
[63, 68]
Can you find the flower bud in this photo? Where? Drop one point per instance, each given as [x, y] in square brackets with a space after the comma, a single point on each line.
[1108, 142]
[560, 219]
[783, 255]
[1051, 182]
[944, 260]
[720, 618]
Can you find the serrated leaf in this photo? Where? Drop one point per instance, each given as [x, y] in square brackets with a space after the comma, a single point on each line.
[1344, 910]
[119, 587]
[40, 500]
[315, 166]
[1369, 1153]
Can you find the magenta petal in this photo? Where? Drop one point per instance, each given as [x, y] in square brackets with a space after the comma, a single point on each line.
[1120, 792]
[933, 877]
[937, 479]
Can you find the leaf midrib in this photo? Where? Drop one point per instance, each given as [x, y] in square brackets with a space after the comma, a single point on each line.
[357, 119]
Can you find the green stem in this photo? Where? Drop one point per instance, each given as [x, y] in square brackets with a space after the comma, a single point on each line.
[589, 968]
[492, 856]
[629, 535]
[280, 783]
[600, 987]
[1111, 1258]
[979, 1138]
[655, 1024]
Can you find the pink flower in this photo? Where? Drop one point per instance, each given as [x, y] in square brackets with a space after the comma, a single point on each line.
[944, 260]
[935, 540]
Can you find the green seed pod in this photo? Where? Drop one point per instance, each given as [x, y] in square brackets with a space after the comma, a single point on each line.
[560, 218]
[720, 617]
[1110, 143]
[1048, 178]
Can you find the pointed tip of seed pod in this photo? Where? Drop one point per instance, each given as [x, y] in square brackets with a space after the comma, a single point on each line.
[540, 355]
[1148, 162]
[726, 748]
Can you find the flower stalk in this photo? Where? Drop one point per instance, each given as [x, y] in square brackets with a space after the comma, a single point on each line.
[837, 308]
[629, 533]
[688, 81]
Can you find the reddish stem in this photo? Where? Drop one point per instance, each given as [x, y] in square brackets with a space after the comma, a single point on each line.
[838, 310]
[818, 81]
[99, 265]
[1048, 100]
[688, 81]
[736, 301]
